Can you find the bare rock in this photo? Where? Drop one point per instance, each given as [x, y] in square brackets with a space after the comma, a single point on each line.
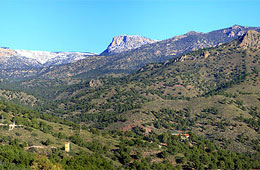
[124, 43]
[206, 54]
[95, 83]
[251, 40]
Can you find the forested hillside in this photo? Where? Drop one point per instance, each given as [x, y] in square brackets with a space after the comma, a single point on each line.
[38, 143]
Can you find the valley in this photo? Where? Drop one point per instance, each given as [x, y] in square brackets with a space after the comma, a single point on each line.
[189, 106]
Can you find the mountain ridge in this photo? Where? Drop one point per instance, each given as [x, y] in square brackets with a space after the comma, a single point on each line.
[176, 46]
[9, 58]
[44, 57]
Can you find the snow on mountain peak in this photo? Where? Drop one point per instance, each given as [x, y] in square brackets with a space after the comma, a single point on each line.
[44, 57]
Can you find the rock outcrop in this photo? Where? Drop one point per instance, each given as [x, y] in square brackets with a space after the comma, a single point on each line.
[250, 40]
[95, 83]
[206, 54]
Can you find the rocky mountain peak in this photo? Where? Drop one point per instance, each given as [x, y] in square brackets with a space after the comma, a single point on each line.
[234, 27]
[235, 31]
[124, 43]
[250, 40]
[117, 40]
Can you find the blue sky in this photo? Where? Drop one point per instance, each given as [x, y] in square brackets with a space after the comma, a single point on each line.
[90, 25]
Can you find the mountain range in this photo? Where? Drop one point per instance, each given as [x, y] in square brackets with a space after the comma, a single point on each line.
[124, 55]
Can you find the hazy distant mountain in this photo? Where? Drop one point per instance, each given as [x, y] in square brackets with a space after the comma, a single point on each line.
[21, 59]
[11, 59]
[125, 43]
[47, 58]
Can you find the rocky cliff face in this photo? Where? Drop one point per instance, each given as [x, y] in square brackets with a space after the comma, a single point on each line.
[124, 43]
[251, 40]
